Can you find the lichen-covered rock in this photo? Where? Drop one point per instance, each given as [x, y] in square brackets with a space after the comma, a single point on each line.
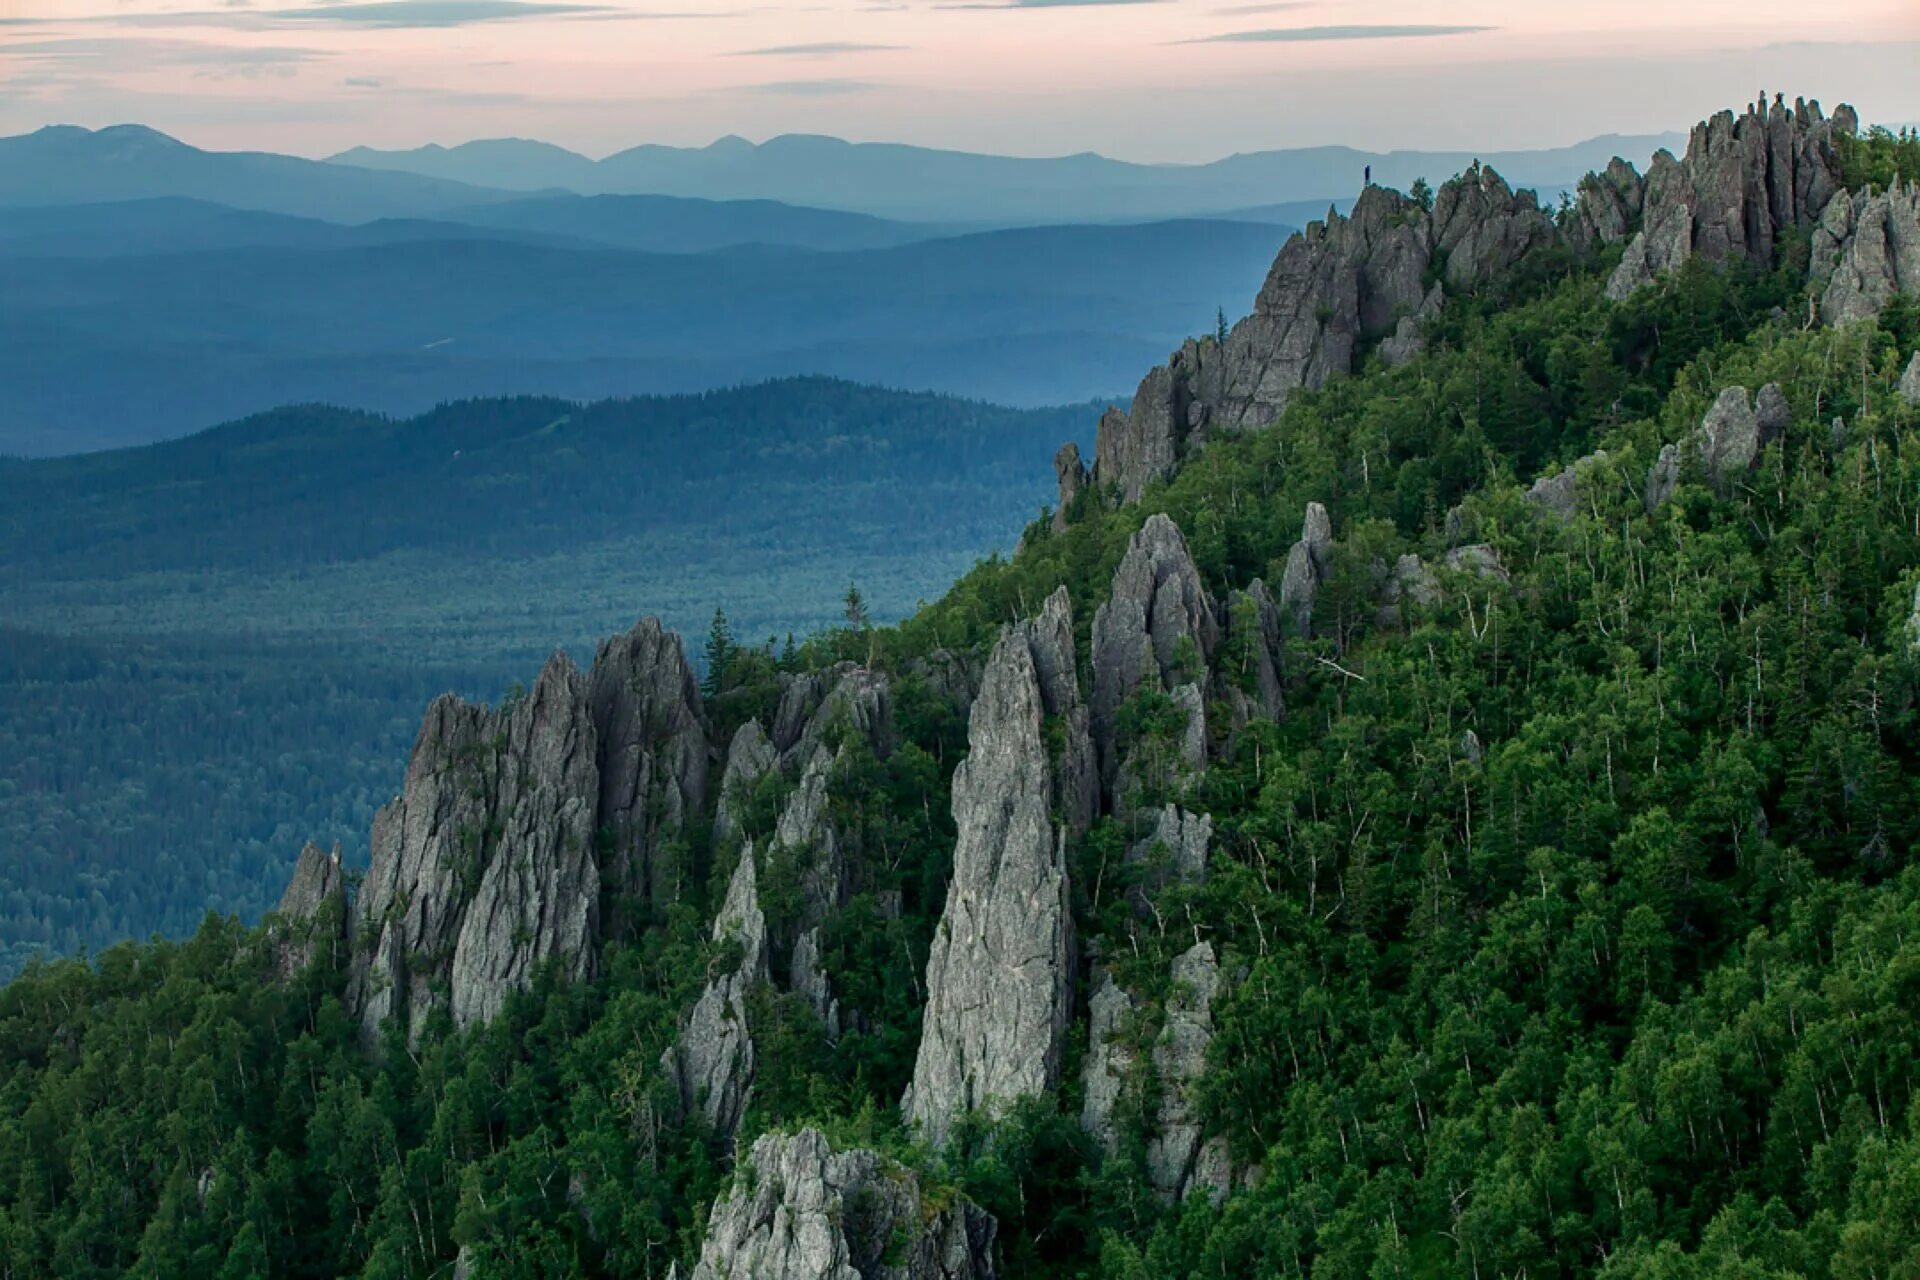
[1726, 444]
[712, 1062]
[1743, 181]
[1158, 626]
[999, 972]
[1910, 382]
[750, 758]
[801, 1211]
[483, 868]
[1072, 474]
[1866, 251]
[653, 754]
[311, 918]
[1179, 1160]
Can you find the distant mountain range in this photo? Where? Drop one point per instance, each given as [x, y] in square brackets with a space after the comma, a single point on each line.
[921, 183]
[153, 287]
[100, 350]
[64, 165]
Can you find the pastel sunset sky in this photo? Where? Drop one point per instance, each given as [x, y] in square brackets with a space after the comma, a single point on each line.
[1147, 79]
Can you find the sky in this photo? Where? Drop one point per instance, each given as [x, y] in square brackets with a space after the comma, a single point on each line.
[1154, 80]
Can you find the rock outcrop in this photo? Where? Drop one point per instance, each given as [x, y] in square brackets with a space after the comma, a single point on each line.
[483, 868]
[652, 753]
[1743, 181]
[1073, 477]
[1307, 563]
[1333, 287]
[999, 973]
[1866, 251]
[846, 696]
[1176, 849]
[1726, 444]
[1910, 381]
[809, 980]
[1607, 209]
[1158, 628]
[799, 1210]
[1558, 494]
[312, 917]
[750, 757]
[712, 1062]
[1180, 1159]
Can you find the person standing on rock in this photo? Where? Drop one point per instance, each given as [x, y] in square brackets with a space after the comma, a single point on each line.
[1367, 178]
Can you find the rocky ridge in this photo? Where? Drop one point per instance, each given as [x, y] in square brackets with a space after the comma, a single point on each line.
[1381, 273]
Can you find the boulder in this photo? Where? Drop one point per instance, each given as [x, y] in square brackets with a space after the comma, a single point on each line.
[799, 1210]
[1727, 443]
[1558, 495]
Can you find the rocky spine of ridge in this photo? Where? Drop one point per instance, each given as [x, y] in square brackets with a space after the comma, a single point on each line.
[1333, 287]
[801, 1211]
[1744, 180]
[1000, 970]
[1382, 272]
[483, 868]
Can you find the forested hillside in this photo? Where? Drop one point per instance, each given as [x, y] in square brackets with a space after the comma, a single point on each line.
[215, 648]
[1461, 823]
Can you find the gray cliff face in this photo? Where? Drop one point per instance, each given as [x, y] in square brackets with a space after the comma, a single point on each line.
[312, 911]
[1743, 181]
[1180, 1158]
[1333, 287]
[483, 867]
[1910, 381]
[750, 757]
[1866, 251]
[802, 1211]
[712, 1062]
[999, 972]
[652, 752]
[1157, 627]
[1177, 848]
[1076, 769]
[810, 980]
[803, 827]
[1727, 443]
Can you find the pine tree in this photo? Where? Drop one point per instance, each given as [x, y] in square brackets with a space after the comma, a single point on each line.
[720, 651]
